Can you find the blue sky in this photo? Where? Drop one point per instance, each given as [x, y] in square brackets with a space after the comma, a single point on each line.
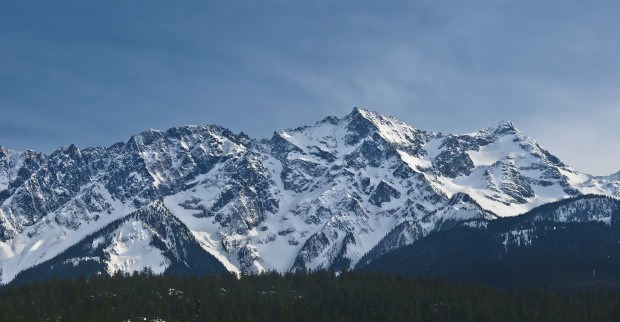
[95, 72]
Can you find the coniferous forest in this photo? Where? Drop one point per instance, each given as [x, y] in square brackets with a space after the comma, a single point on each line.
[320, 296]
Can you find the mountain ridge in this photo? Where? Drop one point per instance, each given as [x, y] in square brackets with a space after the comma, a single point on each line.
[317, 196]
[570, 244]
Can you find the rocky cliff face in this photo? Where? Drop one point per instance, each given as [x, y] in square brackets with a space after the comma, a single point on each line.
[320, 196]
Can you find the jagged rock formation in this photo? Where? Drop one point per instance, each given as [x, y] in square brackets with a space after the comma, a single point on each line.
[323, 196]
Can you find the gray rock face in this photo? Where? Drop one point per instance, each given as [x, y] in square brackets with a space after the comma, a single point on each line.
[505, 178]
[383, 193]
[454, 161]
[323, 196]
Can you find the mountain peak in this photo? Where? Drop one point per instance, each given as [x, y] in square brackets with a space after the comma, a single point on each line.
[360, 125]
[503, 127]
[145, 137]
[371, 116]
[70, 149]
[360, 110]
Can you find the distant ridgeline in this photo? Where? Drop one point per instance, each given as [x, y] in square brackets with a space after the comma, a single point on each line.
[365, 191]
[571, 244]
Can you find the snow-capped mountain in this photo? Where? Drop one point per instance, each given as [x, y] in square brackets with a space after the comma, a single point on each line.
[321, 196]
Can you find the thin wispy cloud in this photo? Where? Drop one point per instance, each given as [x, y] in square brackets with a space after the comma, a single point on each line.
[93, 74]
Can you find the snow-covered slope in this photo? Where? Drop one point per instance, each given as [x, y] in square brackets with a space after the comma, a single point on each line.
[151, 237]
[319, 196]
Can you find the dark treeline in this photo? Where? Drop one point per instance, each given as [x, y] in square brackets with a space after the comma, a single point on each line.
[320, 296]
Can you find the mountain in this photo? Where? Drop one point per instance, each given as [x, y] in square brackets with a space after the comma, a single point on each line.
[334, 194]
[150, 237]
[570, 244]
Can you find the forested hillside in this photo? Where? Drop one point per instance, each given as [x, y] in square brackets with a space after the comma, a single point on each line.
[321, 296]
